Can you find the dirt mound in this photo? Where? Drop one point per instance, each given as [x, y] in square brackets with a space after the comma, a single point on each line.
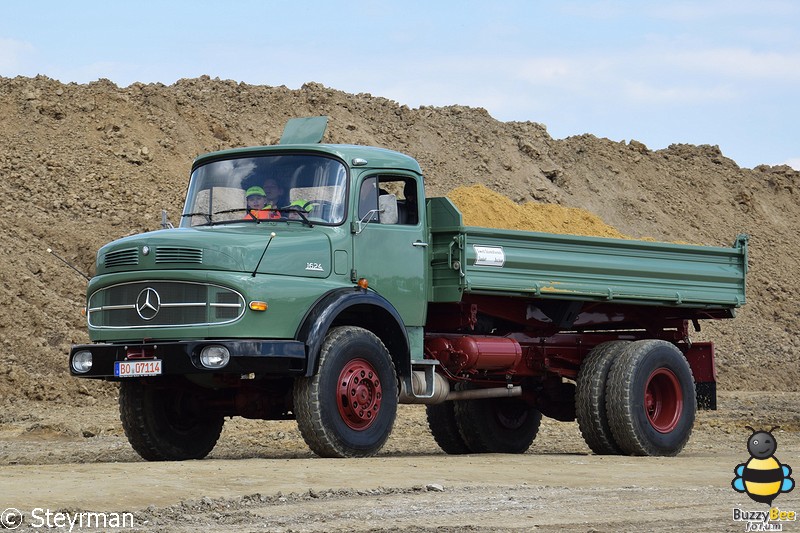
[85, 164]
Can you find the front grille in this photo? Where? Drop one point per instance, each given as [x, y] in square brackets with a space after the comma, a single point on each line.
[117, 258]
[172, 254]
[227, 307]
[153, 304]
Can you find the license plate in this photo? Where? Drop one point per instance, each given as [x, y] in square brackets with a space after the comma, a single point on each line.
[135, 369]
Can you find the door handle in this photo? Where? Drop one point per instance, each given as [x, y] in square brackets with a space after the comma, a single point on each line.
[420, 244]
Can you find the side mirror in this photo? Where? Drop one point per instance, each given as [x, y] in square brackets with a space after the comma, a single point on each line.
[387, 211]
[165, 223]
[387, 205]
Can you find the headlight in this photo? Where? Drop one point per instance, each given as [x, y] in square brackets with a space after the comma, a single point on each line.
[214, 356]
[82, 361]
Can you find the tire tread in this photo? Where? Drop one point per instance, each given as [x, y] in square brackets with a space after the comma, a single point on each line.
[590, 397]
[152, 442]
[622, 408]
[308, 409]
[444, 428]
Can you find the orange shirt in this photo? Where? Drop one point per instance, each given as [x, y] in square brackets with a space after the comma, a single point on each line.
[262, 214]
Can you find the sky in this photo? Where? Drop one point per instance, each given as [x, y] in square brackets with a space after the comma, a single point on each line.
[718, 72]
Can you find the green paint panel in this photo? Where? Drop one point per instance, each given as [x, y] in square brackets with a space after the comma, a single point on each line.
[308, 130]
[543, 265]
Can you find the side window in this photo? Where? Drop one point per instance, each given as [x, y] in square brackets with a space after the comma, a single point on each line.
[408, 207]
[368, 199]
[404, 190]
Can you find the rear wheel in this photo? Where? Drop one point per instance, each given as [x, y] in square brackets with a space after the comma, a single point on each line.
[348, 408]
[167, 424]
[497, 425]
[650, 399]
[444, 427]
[590, 397]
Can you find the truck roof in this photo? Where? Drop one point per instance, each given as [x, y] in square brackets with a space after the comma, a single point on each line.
[351, 154]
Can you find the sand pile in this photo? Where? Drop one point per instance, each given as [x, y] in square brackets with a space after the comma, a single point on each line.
[483, 207]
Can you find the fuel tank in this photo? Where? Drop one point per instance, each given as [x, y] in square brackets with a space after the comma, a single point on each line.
[461, 353]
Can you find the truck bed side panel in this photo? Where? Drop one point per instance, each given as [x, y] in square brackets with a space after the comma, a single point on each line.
[544, 265]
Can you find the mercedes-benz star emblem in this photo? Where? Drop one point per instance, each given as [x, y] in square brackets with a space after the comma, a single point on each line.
[148, 303]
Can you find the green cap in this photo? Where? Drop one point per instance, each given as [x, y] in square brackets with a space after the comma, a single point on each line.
[255, 190]
[302, 203]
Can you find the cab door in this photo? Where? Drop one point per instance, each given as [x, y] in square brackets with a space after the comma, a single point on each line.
[391, 252]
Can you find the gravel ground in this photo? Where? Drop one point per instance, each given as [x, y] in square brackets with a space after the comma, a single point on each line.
[262, 477]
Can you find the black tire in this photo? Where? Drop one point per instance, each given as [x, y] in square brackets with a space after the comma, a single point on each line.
[359, 426]
[164, 424]
[650, 399]
[497, 425]
[444, 427]
[590, 397]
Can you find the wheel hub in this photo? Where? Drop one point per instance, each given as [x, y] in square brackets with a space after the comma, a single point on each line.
[663, 400]
[360, 394]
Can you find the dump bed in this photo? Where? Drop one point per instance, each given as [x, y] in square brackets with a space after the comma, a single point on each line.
[466, 259]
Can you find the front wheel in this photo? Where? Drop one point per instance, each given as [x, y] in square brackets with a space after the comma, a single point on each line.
[650, 399]
[167, 423]
[348, 408]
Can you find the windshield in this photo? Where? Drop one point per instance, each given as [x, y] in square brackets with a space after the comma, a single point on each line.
[267, 187]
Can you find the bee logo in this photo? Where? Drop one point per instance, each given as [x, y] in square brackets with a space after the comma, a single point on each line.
[762, 477]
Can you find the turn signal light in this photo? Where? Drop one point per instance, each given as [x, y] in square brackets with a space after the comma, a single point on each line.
[363, 283]
[258, 306]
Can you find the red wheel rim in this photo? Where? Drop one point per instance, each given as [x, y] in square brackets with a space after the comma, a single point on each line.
[360, 394]
[663, 400]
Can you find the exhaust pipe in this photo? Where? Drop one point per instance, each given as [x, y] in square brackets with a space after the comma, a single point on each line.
[416, 392]
[442, 392]
[480, 394]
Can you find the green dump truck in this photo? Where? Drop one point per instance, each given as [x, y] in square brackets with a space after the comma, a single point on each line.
[350, 292]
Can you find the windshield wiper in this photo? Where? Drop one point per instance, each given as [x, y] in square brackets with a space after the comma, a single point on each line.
[206, 215]
[209, 216]
[295, 209]
[225, 211]
[250, 218]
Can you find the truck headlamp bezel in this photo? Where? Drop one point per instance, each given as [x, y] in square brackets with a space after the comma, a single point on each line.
[81, 361]
[215, 356]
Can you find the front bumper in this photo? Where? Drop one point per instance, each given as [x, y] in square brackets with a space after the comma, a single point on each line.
[275, 357]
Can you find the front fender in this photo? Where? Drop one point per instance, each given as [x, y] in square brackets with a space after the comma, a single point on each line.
[355, 307]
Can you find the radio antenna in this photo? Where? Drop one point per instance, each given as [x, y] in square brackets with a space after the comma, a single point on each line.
[50, 251]
[271, 236]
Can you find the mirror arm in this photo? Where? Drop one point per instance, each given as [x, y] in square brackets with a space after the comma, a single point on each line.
[359, 225]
